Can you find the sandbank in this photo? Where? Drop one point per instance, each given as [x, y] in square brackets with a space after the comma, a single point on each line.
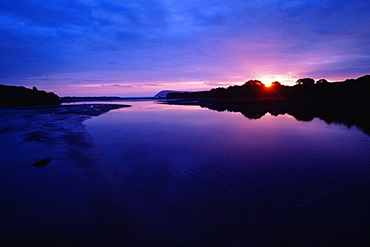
[75, 200]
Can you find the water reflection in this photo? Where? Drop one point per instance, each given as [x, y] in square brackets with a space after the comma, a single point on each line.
[219, 179]
[343, 115]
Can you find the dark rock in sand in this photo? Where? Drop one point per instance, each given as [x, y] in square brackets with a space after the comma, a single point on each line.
[43, 162]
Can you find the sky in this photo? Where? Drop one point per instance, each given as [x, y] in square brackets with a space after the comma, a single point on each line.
[138, 48]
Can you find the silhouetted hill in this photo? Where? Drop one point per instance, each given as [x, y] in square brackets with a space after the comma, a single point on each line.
[21, 96]
[164, 93]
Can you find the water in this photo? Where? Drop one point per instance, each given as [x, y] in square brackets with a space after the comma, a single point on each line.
[220, 179]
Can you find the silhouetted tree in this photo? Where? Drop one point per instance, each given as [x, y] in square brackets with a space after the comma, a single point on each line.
[305, 81]
[322, 81]
[275, 84]
[351, 90]
[253, 83]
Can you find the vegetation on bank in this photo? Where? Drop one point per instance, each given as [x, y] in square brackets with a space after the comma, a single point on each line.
[351, 90]
[21, 96]
[345, 102]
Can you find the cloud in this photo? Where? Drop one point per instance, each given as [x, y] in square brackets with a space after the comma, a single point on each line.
[124, 86]
[149, 41]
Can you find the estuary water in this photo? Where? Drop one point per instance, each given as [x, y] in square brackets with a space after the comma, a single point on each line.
[215, 178]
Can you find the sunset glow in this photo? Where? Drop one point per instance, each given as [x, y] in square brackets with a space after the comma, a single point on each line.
[268, 80]
[143, 47]
[267, 84]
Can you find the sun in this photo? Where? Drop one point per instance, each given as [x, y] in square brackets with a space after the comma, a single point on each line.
[268, 80]
[283, 79]
[267, 84]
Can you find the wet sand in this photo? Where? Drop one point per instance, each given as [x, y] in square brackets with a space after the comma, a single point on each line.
[75, 200]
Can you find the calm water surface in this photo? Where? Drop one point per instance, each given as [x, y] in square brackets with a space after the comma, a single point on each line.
[220, 179]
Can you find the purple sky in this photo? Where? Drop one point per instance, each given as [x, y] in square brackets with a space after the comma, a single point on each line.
[137, 48]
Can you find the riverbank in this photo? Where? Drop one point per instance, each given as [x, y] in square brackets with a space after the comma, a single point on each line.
[73, 199]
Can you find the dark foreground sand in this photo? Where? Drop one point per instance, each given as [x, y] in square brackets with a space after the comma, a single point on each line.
[75, 200]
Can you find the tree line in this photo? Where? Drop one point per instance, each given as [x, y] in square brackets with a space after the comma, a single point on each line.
[352, 90]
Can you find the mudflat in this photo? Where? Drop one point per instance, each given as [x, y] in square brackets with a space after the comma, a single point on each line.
[57, 189]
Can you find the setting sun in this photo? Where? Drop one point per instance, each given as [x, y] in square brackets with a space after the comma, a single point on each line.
[267, 80]
[267, 84]
[283, 79]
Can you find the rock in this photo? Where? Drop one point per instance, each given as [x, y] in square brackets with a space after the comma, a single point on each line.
[43, 162]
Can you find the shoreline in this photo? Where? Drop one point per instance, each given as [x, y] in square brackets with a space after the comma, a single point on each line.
[76, 199]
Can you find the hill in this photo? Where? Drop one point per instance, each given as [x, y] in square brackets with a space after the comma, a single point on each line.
[164, 93]
[21, 96]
